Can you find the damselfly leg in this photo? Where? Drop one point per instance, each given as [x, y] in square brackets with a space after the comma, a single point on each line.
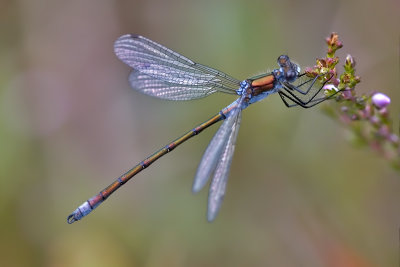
[306, 94]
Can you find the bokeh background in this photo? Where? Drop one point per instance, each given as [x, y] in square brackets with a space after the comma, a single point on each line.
[299, 193]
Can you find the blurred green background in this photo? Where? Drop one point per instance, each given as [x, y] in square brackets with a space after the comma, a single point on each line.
[299, 193]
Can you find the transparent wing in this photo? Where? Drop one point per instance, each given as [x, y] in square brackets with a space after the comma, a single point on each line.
[215, 150]
[218, 183]
[165, 90]
[159, 62]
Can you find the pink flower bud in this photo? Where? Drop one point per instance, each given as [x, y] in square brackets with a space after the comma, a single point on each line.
[330, 87]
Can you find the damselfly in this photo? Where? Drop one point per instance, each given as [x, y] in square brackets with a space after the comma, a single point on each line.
[163, 73]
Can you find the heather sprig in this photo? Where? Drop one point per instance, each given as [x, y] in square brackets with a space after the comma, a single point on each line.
[367, 116]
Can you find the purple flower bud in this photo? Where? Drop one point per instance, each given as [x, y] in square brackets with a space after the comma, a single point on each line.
[384, 130]
[336, 81]
[394, 138]
[347, 94]
[380, 100]
[374, 120]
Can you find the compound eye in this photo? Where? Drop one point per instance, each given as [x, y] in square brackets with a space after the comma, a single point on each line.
[283, 61]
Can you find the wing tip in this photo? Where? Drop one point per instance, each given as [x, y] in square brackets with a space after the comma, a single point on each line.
[200, 180]
[196, 188]
[211, 215]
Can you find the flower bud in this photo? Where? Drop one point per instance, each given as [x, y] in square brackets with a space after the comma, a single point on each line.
[350, 61]
[330, 87]
[380, 100]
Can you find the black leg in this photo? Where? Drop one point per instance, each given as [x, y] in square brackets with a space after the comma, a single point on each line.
[297, 88]
[296, 101]
[299, 102]
[288, 90]
[286, 103]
